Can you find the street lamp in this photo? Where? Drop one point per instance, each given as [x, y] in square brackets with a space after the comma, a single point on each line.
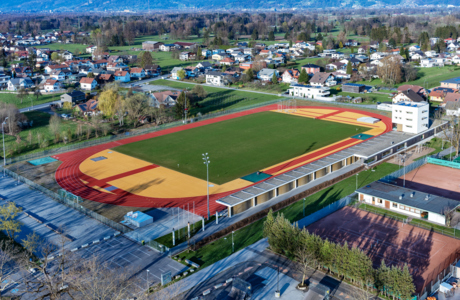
[356, 181]
[207, 162]
[233, 244]
[4, 155]
[148, 271]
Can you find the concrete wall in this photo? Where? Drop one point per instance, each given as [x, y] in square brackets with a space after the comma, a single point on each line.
[433, 217]
[303, 180]
[263, 198]
[321, 173]
[337, 166]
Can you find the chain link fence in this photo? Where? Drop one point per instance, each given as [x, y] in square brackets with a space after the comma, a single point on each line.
[391, 178]
[67, 200]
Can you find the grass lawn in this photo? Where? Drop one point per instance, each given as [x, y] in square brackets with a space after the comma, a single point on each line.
[74, 48]
[371, 97]
[39, 127]
[219, 98]
[239, 146]
[250, 234]
[27, 101]
[426, 77]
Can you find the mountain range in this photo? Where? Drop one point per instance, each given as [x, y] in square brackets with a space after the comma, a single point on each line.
[181, 5]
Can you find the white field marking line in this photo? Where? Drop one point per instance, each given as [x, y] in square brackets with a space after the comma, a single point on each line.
[161, 269]
[134, 254]
[379, 241]
[124, 259]
[154, 275]
[173, 267]
[117, 263]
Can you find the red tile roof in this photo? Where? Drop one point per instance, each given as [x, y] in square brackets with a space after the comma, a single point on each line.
[86, 80]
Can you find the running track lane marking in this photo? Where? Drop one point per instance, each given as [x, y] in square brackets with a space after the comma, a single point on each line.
[329, 115]
[104, 181]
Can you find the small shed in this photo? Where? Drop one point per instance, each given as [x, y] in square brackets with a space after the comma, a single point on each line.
[138, 219]
[353, 88]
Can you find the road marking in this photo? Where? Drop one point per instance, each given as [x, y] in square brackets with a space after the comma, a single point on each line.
[139, 249]
[173, 268]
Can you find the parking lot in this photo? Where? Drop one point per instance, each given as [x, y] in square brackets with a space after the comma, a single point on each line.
[121, 252]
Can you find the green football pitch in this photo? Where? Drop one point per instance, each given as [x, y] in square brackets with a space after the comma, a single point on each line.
[239, 146]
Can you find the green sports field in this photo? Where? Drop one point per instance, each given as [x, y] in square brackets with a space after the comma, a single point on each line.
[240, 146]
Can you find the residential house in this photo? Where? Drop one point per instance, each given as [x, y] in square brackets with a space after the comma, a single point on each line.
[151, 45]
[103, 79]
[353, 88]
[100, 63]
[311, 68]
[122, 76]
[335, 66]
[308, 91]
[378, 55]
[431, 53]
[247, 65]
[290, 76]
[50, 68]
[52, 85]
[323, 79]
[152, 70]
[174, 73]
[22, 71]
[205, 65]
[454, 46]
[166, 98]
[182, 45]
[438, 94]
[216, 78]
[88, 84]
[453, 83]
[414, 48]
[73, 97]
[187, 56]
[115, 59]
[451, 97]
[88, 108]
[15, 84]
[407, 96]
[267, 74]
[137, 73]
[117, 67]
[4, 81]
[337, 55]
[91, 49]
[167, 47]
[416, 88]
[227, 61]
[452, 109]
[191, 71]
[219, 56]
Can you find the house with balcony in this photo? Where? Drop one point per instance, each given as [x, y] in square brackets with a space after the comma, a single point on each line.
[308, 91]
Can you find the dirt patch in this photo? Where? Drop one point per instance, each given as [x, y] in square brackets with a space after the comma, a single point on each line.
[411, 156]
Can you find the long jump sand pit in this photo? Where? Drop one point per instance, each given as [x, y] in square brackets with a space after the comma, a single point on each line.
[434, 179]
[426, 253]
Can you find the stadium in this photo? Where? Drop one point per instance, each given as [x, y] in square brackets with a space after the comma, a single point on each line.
[245, 149]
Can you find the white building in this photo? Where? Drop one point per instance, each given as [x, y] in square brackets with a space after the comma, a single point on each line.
[410, 117]
[215, 78]
[308, 91]
[407, 201]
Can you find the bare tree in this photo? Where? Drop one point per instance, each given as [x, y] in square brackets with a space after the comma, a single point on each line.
[136, 106]
[448, 212]
[452, 134]
[390, 70]
[304, 256]
[8, 253]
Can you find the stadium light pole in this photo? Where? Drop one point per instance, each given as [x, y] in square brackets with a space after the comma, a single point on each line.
[206, 162]
[3, 136]
[148, 271]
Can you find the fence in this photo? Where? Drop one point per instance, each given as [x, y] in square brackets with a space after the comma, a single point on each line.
[324, 212]
[445, 163]
[64, 200]
[152, 243]
[404, 170]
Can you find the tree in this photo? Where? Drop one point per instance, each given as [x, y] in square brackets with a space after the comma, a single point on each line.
[181, 74]
[274, 78]
[22, 93]
[407, 54]
[290, 43]
[136, 107]
[224, 68]
[340, 44]
[31, 242]
[146, 59]
[303, 77]
[304, 256]
[198, 53]
[402, 52]
[90, 75]
[9, 253]
[55, 56]
[255, 34]
[107, 101]
[271, 36]
[37, 93]
[181, 103]
[392, 43]
[55, 126]
[8, 222]
[199, 91]
[250, 74]
[349, 68]
[390, 71]
[409, 72]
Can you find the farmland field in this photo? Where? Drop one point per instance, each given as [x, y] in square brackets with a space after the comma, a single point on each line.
[239, 146]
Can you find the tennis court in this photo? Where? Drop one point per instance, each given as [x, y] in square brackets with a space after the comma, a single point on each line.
[434, 179]
[425, 252]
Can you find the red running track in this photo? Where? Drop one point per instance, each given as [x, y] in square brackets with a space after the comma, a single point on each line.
[69, 176]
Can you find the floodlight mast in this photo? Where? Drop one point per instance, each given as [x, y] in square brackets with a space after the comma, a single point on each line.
[207, 162]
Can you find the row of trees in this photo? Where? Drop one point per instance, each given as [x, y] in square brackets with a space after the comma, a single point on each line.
[310, 250]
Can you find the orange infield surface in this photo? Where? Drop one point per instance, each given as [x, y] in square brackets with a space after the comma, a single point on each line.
[425, 252]
[124, 180]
